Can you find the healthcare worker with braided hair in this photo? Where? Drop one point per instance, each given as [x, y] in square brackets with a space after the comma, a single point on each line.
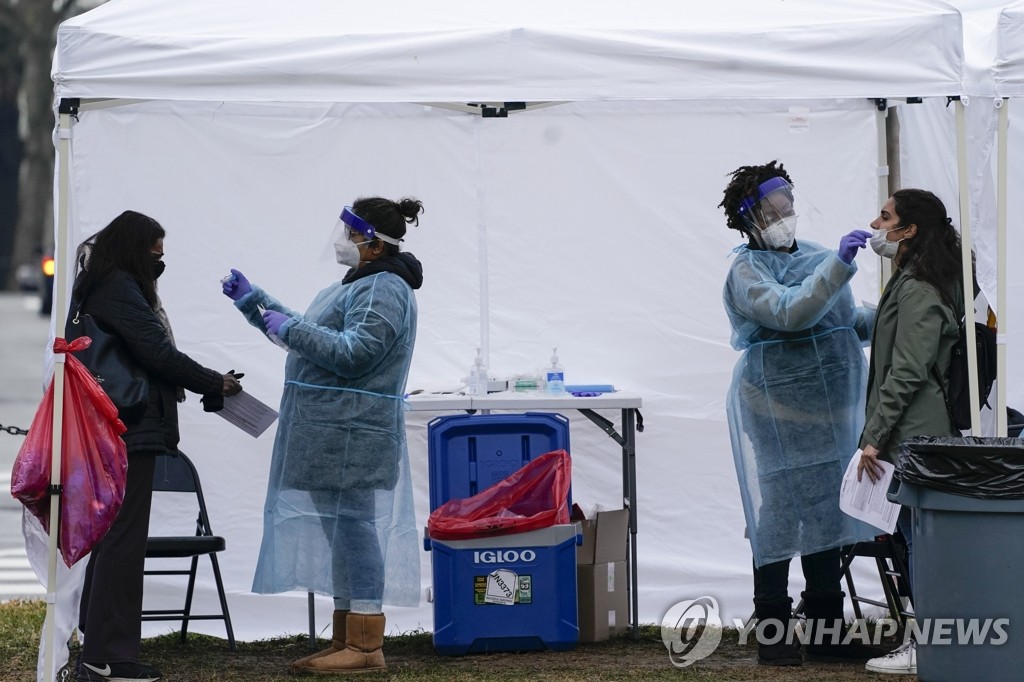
[795, 408]
[339, 517]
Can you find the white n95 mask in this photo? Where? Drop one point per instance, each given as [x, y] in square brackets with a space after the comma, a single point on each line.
[780, 234]
[346, 252]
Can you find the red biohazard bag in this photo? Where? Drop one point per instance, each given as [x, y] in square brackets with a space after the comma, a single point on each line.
[94, 461]
[534, 497]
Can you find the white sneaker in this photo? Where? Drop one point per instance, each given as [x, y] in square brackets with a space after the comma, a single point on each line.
[900, 661]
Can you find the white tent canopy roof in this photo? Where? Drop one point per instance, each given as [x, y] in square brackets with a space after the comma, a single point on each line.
[1009, 62]
[529, 50]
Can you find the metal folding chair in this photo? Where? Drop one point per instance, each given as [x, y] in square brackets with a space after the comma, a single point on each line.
[890, 555]
[176, 473]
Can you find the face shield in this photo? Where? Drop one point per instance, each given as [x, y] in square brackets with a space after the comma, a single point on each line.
[771, 216]
[351, 228]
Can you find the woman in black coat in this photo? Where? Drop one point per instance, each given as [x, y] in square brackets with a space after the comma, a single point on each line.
[116, 284]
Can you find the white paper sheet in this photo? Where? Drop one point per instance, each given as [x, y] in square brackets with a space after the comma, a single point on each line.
[248, 413]
[865, 500]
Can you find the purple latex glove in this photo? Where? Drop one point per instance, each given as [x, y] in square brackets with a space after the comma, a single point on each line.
[849, 244]
[274, 320]
[236, 286]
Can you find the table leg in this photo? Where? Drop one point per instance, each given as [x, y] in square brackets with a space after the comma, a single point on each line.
[629, 499]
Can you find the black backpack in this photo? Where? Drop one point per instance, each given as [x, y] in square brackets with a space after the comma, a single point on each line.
[958, 399]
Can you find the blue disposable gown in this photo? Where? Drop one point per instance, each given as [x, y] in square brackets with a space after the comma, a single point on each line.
[796, 402]
[339, 476]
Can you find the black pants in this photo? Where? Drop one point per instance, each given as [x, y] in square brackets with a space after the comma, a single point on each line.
[111, 607]
[821, 572]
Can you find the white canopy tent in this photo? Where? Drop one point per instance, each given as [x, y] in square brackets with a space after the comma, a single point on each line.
[592, 225]
[1008, 76]
[993, 74]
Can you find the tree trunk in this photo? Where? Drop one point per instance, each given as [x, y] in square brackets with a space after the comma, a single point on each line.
[34, 228]
[10, 144]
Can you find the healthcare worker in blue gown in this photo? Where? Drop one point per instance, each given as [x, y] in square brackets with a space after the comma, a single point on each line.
[795, 407]
[339, 517]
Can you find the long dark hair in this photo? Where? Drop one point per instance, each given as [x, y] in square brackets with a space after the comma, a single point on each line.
[933, 254]
[744, 184]
[389, 217]
[125, 244]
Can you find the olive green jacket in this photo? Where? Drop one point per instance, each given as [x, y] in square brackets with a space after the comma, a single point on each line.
[913, 339]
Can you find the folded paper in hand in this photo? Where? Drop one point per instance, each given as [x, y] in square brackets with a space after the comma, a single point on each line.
[248, 413]
[867, 501]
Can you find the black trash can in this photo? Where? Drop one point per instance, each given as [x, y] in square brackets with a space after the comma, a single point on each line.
[967, 501]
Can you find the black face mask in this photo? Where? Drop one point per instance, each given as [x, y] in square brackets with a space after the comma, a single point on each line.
[158, 268]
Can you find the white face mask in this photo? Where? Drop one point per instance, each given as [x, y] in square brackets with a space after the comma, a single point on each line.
[347, 253]
[882, 246]
[780, 234]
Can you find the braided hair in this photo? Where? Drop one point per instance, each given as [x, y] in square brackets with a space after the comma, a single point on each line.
[744, 184]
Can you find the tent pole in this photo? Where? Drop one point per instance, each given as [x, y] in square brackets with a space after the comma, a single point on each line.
[1001, 328]
[67, 110]
[481, 252]
[966, 251]
[884, 191]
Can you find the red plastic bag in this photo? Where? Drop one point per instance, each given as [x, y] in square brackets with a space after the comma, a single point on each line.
[94, 461]
[532, 498]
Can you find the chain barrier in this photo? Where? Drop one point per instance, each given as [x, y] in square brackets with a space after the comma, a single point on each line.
[14, 430]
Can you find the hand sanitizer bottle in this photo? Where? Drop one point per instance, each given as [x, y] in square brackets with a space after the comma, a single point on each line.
[477, 384]
[555, 375]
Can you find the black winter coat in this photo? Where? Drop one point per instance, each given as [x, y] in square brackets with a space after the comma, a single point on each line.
[119, 304]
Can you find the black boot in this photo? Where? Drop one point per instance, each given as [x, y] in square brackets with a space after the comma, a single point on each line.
[825, 633]
[776, 645]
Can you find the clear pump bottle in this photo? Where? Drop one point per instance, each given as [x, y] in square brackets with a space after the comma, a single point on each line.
[554, 375]
[477, 384]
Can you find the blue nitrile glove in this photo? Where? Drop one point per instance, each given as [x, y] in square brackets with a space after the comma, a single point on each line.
[236, 286]
[849, 244]
[274, 320]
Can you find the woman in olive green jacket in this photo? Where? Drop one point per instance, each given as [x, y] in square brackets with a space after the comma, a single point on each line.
[916, 326]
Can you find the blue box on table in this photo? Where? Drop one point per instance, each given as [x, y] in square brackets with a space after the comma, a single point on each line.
[513, 592]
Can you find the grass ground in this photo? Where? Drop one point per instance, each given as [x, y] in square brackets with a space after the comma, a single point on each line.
[412, 657]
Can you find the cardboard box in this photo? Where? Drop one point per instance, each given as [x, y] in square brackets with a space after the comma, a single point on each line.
[602, 589]
[604, 538]
[603, 600]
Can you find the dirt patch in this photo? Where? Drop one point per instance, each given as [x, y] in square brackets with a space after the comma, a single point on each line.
[646, 658]
[413, 657]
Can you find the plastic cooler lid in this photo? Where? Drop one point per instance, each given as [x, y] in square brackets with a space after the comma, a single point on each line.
[469, 453]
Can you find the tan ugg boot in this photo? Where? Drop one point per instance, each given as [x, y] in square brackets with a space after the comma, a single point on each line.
[337, 642]
[364, 637]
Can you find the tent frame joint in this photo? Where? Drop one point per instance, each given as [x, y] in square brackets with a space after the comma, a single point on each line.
[69, 105]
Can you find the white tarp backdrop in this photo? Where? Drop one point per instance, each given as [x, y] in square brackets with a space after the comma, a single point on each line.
[618, 264]
[594, 222]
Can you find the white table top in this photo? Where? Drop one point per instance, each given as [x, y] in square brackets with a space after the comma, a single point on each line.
[510, 400]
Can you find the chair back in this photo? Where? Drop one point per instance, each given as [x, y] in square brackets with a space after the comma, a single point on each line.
[175, 473]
